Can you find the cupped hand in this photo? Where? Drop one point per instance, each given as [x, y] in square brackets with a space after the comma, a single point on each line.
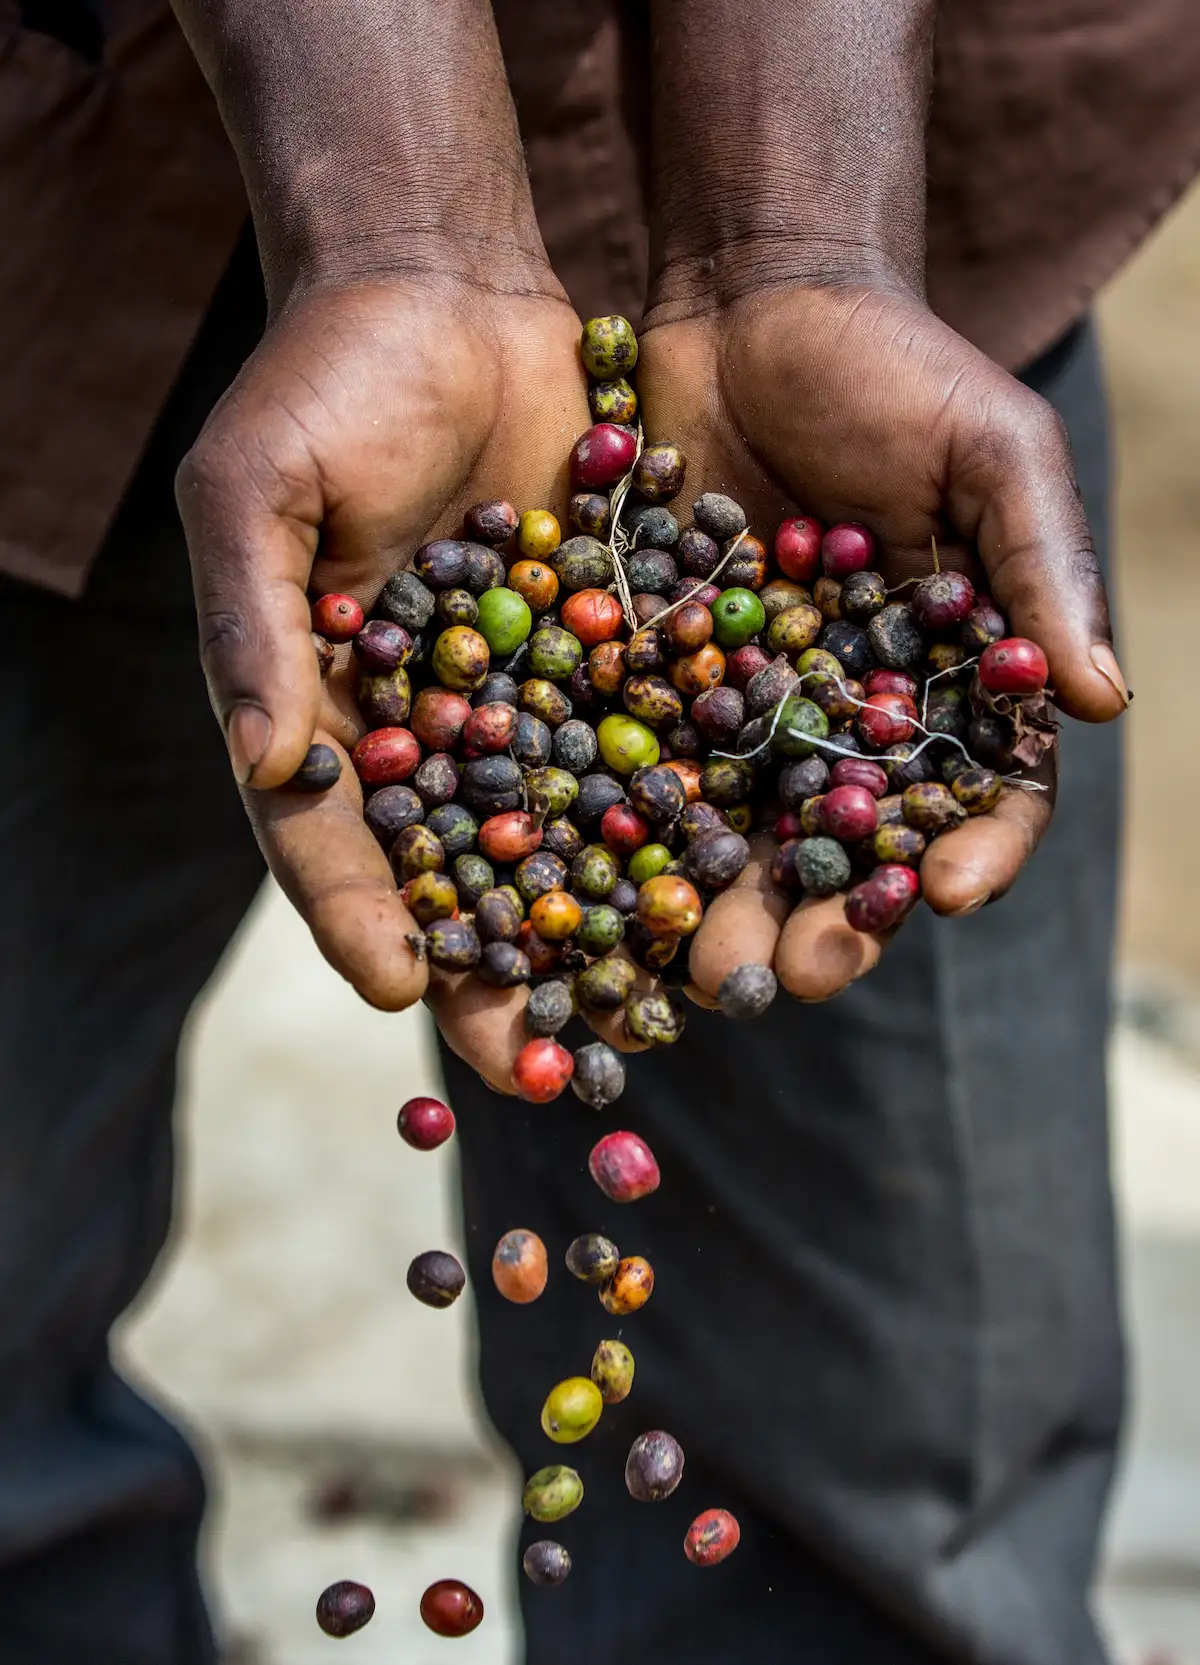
[857, 404]
[371, 416]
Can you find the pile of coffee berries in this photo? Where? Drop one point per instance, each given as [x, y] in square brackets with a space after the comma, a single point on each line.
[568, 739]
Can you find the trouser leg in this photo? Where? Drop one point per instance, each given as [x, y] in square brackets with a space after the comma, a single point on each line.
[128, 866]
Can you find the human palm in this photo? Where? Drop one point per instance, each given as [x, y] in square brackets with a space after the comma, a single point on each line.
[858, 404]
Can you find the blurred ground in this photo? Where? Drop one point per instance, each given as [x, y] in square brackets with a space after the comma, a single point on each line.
[1151, 329]
[337, 1414]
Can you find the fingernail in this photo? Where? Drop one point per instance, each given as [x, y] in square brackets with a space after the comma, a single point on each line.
[973, 906]
[1105, 661]
[247, 734]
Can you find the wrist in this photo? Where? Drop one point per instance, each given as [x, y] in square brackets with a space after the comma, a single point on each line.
[449, 244]
[696, 281]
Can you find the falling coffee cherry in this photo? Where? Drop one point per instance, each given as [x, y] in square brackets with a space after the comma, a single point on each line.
[712, 1538]
[623, 1166]
[654, 1467]
[451, 1608]
[519, 1267]
[436, 1278]
[546, 1564]
[344, 1608]
[425, 1123]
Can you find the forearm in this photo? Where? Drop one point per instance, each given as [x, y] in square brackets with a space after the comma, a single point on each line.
[370, 133]
[789, 141]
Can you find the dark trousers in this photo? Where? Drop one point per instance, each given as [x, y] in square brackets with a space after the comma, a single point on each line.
[884, 1328]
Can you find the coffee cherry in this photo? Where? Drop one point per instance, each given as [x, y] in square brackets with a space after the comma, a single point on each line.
[623, 1166]
[345, 1608]
[670, 906]
[605, 986]
[859, 771]
[822, 866]
[654, 1467]
[883, 900]
[880, 681]
[451, 1608]
[696, 672]
[321, 769]
[794, 630]
[338, 618]
[324, 652]
[1013, 666]
[509, 837]
[658, 474]
[612, 1371]
[848, 813]
[885, 720]
[629, 1288]
[519, 1267]
[712, 1538]
[503, 619]
[846, 548]
[599, 1078]
[747, 991]
[626, 744]
[550, 1007]
[386, 756]
[895, 639]
[546, 1564]
[592, 1259]
[493, 522]
[899, 843]
[977, 790]
[541, 1071]
[381, 646]
[438, 718]
[931, 807]
[552, 1493]
[613, 401]
[601, 456]
[608, 347]
[572, 1410]
[942, 600]
[436, 1278]
[601, 929]
[538, 535]
[460, 658]
[798, 548]
[983, 625]
[425, 1123]
[431, 896]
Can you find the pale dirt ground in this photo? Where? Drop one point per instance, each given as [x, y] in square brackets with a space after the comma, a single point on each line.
[280, 1327]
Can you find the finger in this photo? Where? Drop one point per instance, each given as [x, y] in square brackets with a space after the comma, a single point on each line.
[250, 569]
[332, 869]
[1014, 489]
[980, 860]
[741, 927]
[481, 1025]
[819, 953]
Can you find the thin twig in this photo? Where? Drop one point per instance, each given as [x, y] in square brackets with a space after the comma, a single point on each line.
[843, 751]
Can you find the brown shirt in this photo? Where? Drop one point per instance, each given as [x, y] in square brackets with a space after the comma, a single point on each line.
[1061, 130]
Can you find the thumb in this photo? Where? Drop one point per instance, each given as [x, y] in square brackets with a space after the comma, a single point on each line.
[1015, 490]
[250, 569]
